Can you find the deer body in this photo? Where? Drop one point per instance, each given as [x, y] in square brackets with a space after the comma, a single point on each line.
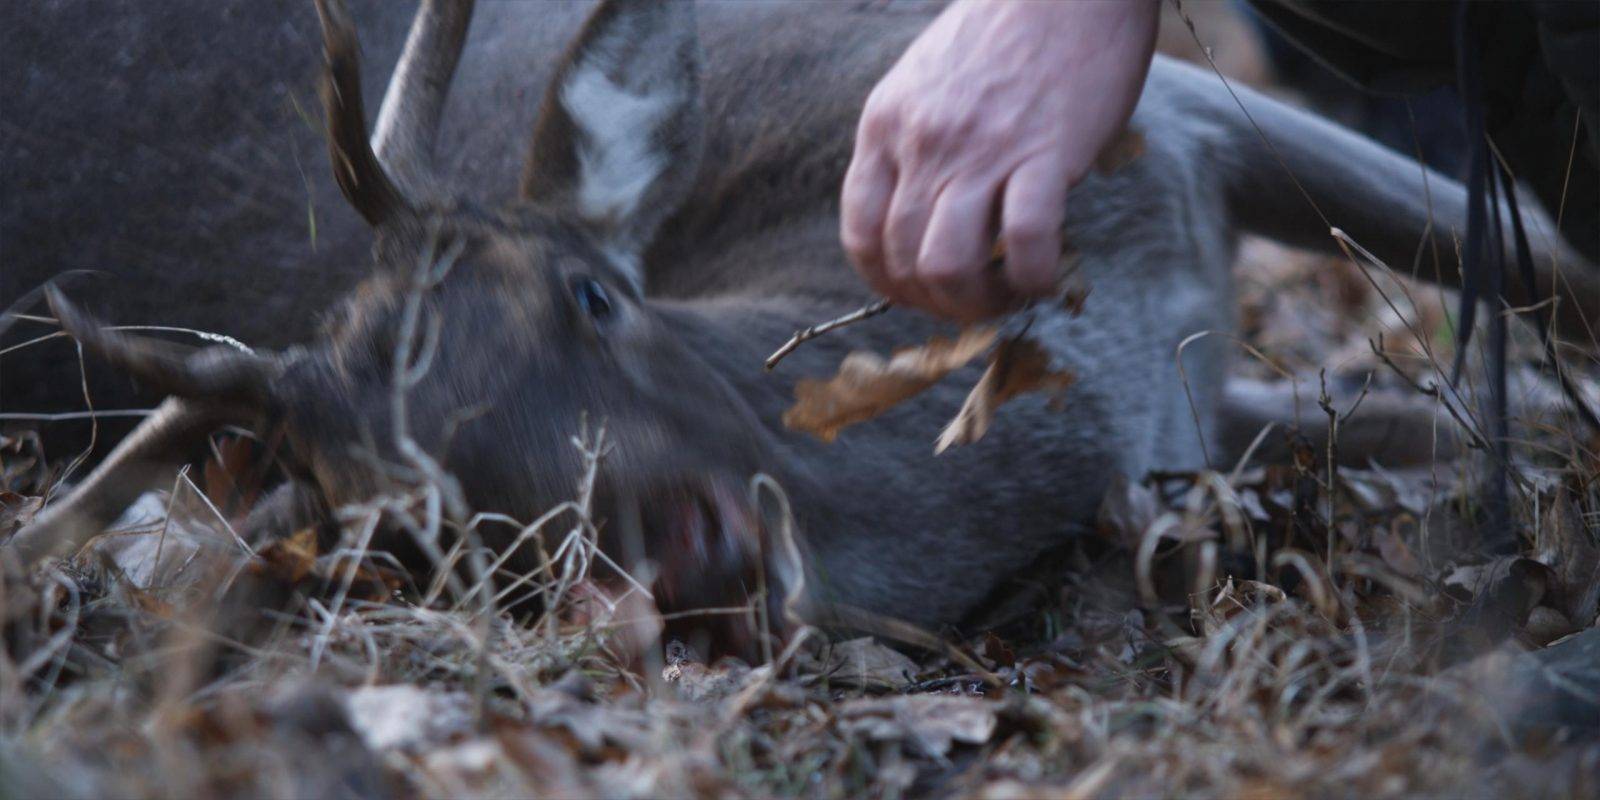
[678, 222]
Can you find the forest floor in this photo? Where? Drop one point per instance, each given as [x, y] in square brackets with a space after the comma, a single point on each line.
[1267, 631]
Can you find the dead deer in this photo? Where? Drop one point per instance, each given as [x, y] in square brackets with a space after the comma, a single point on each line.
[667, 238]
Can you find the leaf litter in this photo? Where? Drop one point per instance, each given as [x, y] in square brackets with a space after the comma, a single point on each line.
[1274, 631]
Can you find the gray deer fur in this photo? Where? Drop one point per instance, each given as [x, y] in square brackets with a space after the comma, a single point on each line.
[702, 202]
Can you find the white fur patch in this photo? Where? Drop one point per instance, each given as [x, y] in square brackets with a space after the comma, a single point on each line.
[617, 163]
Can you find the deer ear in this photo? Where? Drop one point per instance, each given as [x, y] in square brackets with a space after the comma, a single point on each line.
[618, 139]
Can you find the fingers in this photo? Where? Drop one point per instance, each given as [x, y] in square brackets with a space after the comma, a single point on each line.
[932, 252]
[1031, 216]
[863, 207]
[903, 231]
[952, 263]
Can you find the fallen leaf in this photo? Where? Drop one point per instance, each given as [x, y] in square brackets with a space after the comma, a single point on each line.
[1500, 593]
[16, 511]
[1540, 691]
[866, 663]
[1017, 366]
[368, 580]
[1393, 550]
[1546, 625]
[593, 728]
[1566, 546]
[476, 765]
[1126, 512]
[997, 652]
[231, 478]
[544, 760]
[150, 552]
[1233, 598]
[1074, 291]
[698, 683]
[294, 557]
[405, 717]
[23, 468]
[932, 723]
[867, 385]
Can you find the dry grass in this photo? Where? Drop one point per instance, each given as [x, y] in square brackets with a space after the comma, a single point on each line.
[1274, 631]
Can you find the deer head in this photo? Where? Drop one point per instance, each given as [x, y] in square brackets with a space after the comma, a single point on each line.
[486, 334]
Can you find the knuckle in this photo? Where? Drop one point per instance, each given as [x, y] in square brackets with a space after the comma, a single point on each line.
[933, 130]
[880, 115]
[924, 141]
[1028, 229]
[861, 249]
[902, 221]
[876, 123]
[941, 269]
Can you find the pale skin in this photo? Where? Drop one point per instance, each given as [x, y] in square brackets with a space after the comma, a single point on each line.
[978, 134]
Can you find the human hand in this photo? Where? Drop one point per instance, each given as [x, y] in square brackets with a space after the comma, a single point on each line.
[991, 116]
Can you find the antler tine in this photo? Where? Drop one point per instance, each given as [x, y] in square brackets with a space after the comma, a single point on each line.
[218, 376]
[361, 176]
[143, 461]
[408, 120]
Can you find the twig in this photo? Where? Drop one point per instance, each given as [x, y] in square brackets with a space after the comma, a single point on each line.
[1474, 442]
[820, 328]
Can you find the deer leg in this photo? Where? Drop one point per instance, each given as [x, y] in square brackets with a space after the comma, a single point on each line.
[1381, 426]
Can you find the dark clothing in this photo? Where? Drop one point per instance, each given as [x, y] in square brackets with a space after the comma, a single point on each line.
[1540, 68]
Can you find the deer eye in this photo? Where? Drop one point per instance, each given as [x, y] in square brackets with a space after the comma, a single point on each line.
[592, 298]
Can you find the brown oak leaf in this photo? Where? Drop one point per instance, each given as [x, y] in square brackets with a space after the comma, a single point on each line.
[1017, 366]
[867, 385]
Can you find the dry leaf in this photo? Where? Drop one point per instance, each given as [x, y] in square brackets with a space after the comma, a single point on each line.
[233, 483]
[1074, 290]
[292, 558]
[1500, 593]
[368, 580]
[1546, 625]
[148, 551]
[406, 717]
[1566, 547]
[998, 653]
[594, 728]
[867, 385]
[699, 683]
[1126, 512]
[1017, 366]
[16, 511]
[931, 722]
[477, 767]
[23, 468]
[1393, 550]
[868, 664]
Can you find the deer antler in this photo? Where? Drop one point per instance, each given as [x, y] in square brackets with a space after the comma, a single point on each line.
[215, 386]
[361, 176]
[141, 462]
[218, 376]
[408, 120]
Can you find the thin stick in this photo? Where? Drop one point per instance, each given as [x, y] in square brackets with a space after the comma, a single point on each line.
[820, 328]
